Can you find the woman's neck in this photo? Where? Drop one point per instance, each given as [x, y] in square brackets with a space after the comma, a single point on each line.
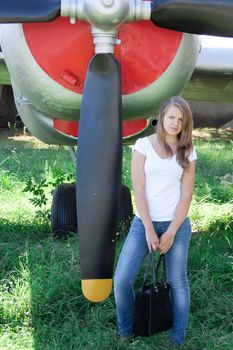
[171, 139]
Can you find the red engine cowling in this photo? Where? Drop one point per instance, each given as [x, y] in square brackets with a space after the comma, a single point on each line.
[48, 64]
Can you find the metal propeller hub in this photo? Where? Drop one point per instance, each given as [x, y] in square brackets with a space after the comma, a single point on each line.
[106, 14]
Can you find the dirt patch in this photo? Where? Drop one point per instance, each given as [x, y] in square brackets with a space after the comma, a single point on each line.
[207, 133]
[16, 135]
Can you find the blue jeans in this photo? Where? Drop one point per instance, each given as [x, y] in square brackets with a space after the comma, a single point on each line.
[131, 258]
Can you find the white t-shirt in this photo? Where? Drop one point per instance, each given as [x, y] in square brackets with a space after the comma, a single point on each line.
[163, 181]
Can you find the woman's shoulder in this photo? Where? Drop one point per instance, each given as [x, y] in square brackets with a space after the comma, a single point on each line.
[142, 140]
[141, 145]
[192, 154]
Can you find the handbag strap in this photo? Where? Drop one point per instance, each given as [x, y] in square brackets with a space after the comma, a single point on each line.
[164, 277]
[155, 270]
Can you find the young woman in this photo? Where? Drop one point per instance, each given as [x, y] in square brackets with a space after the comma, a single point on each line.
[163, 167]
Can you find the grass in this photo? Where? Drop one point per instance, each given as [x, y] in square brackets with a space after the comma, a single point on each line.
[212, 205]
[41, 304]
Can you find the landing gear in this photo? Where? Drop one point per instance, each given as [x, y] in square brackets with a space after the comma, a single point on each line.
[64, 216]
[8, 111]
[63, 211]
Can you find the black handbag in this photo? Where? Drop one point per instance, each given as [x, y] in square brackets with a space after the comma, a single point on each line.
[152, 306]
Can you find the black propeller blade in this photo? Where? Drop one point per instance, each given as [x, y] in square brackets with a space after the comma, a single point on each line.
[19, 11]
[212, 17]
[99, 174]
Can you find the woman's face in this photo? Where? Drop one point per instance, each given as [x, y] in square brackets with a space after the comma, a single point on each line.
[173, 121]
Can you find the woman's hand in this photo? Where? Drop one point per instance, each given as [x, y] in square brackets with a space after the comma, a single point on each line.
[152, 239]
[166, 242]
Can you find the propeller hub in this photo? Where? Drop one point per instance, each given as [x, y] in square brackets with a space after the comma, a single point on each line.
[104, 41]
[108, 2]
[106, 14]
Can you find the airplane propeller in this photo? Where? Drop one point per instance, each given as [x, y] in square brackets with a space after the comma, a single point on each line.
[14, 11]
[99, 139]
[99, 174]
[212, 17]
[194, 16]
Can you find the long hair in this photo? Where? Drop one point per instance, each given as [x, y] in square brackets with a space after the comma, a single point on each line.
[185, 145]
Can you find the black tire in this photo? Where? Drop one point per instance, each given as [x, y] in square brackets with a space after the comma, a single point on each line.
[8, 110]
[63, 211]
[125, 209]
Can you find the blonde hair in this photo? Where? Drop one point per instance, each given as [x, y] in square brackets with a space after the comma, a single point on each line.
[185, 145]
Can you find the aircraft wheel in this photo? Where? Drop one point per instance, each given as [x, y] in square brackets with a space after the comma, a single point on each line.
[63, 211]
[126, 208]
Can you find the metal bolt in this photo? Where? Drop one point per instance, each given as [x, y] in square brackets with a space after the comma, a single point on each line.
[108, 2]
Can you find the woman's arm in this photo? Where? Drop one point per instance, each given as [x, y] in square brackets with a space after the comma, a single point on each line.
[182, 208]
[139, 181]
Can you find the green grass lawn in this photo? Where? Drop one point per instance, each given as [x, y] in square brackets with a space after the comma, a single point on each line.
[41, 304]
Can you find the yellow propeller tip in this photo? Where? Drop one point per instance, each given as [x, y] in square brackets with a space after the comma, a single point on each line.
[97, 289]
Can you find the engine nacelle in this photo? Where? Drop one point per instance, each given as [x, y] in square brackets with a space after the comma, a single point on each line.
[48, 64]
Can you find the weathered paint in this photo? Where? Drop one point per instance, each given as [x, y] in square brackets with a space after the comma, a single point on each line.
[141, 62]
